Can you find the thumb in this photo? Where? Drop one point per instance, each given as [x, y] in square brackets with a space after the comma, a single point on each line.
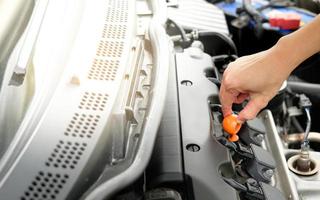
[253, 107]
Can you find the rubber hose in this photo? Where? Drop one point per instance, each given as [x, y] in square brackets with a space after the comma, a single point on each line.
[306, 88]
[180, 29]
[223, 37]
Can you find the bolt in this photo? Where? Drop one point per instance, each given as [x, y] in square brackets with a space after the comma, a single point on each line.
[268, 173]
[259, 138]
[197, 44]
[193, 147]
[252, 182]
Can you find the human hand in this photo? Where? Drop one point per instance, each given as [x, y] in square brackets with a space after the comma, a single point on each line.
[256, 77]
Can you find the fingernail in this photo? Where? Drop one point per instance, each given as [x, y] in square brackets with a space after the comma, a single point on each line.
[240, 121]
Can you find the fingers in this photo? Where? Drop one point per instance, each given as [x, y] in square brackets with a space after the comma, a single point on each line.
[227, 98]
[253, 107]
[241, 97]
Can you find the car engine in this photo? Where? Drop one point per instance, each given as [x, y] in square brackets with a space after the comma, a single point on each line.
[119, 99]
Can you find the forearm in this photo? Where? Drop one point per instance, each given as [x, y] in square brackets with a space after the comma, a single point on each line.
[259, 76]
[298, 46]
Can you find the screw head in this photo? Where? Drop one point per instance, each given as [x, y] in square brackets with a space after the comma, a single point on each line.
[193, 147]
[268, 173]
[252, 182]
[259, 137]
[186, 83]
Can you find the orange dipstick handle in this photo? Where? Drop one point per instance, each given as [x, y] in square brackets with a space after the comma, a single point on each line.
[232, 126]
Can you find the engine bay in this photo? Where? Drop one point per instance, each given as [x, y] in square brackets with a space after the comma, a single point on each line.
[119, 99]
[277, 154]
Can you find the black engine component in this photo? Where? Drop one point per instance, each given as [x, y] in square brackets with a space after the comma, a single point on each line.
[188, 150]
[253, 190]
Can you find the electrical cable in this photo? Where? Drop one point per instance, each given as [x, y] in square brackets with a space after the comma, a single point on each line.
[305, 143]
[183, 34]
[221, 36]
[296, 124]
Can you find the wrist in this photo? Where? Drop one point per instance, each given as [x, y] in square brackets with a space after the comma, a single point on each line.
[287, 55]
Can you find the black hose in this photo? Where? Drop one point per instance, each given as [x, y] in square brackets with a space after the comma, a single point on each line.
[221, 36]
[215, 81]
[305, 143]
[183, 34]
[216, 73]
[303, 87]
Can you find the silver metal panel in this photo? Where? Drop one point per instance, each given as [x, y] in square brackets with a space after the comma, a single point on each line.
[199, 14]
[74, 122]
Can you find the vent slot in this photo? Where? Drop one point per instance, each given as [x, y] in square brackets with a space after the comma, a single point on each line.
[110, 48]
[103, 70]
[117, 11]
[45, 186]
[114, 31]
[82, 125]
[117, 17]
[93, 101]
[66, 155]
[118, 4]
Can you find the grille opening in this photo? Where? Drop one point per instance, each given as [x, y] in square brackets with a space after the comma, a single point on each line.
[66, 155]
[46, 185]
[103, 70]
[117, 11]
[110, 48]
[116, 4]
[93, 101]
[82, 125]
[113, 16]
[114, 31]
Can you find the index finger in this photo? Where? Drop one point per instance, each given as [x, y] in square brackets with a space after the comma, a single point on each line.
[227, 98]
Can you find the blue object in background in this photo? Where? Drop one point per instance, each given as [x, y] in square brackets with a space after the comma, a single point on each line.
[230, 9]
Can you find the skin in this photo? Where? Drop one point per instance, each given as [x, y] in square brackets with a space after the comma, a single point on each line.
[258, 77]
